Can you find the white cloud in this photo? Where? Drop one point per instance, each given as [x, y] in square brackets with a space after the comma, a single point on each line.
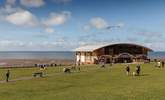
[32, 3]
[10, 43]
[62, 1]
[18, 16]
[49, 30]
[120, 24]
[158, 46]
[98, 23]
[8, 9]
[23, 18]
[57, 18]
[30, 45]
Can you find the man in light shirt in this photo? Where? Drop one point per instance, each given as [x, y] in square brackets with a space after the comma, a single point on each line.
[158, 64]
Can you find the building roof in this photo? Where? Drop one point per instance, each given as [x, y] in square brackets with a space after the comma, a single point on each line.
[90, 48]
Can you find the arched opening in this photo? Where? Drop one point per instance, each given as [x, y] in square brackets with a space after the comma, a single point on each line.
[124, 58]
[106, 58]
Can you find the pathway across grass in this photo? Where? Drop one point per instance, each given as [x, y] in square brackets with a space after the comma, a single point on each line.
[28, 75]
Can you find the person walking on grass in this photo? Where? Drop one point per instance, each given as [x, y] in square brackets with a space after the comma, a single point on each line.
[79, 65]
[102, 63]
[7, 75]
[158, 64]
[127, 69]
[138, 69]
[162, 64]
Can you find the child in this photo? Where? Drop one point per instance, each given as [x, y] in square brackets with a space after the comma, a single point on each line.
[134, 74]
[127, 70]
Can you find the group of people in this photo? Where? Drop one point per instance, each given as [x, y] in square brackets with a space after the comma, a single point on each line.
[137, 70]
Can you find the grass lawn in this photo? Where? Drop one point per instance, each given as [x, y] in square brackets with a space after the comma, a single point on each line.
[92, 83]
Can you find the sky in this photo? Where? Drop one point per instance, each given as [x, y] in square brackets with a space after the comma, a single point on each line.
[63, 25]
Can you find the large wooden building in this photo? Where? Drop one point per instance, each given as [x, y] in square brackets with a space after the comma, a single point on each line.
[116, 53]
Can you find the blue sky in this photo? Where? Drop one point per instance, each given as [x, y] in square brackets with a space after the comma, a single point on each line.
[67, 24]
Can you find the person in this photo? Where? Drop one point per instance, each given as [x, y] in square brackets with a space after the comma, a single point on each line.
[79, 62]
[42, 67]
[77, 65]
[78, 68]
[66, 70]
[138, 69]
[102, 63]
[162, 64]
[110, 63]
[134, 73]
[96, 61]
[127, 70]
[7, 75]
[158, 64]
[125, 61]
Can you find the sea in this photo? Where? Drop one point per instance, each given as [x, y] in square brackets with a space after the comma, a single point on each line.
[57, 55]
[69, 55]
[156, 55]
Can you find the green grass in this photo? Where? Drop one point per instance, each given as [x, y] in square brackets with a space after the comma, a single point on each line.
[92, 83]
[26, 72]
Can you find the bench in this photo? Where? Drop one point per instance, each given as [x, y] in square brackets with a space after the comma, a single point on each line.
[38, 74]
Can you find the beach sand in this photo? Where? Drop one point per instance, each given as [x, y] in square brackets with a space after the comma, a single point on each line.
[32, 62]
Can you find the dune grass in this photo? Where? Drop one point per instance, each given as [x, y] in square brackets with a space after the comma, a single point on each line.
[92, 83]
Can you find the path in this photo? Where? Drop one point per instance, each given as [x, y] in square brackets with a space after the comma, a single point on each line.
[26, 78]
[31, 77]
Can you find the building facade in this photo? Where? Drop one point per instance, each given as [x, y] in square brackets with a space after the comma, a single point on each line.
[116, 53]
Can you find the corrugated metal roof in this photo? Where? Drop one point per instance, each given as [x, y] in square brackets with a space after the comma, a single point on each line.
[90, 48]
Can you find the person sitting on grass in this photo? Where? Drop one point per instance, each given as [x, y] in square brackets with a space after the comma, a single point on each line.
[134, 73]
[66, 70]
[127, 69]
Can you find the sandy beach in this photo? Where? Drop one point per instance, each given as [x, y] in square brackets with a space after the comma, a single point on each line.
[32, 62]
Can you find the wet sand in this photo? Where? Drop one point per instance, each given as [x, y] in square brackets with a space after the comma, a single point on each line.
[32, 62]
